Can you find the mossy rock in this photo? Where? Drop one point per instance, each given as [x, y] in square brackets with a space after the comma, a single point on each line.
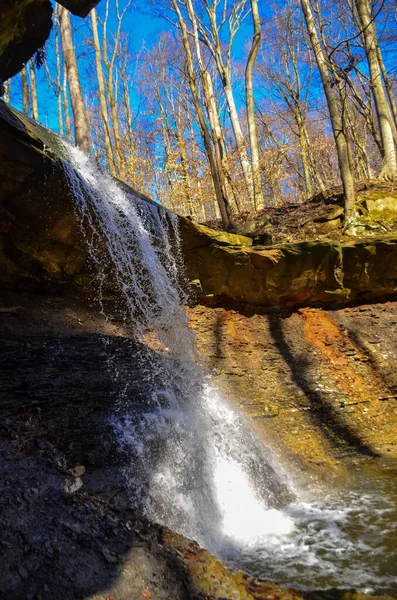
[382, 204]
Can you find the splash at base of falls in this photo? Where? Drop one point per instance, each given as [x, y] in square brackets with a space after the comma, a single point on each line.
[341, 541]
[213, 481]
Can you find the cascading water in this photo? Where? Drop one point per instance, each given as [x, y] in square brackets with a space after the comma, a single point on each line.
[192, 462]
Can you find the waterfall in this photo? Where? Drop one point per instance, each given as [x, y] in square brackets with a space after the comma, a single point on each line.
[189, 459]
[192, 462]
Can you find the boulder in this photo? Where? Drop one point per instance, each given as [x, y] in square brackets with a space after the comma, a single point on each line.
[382, 204]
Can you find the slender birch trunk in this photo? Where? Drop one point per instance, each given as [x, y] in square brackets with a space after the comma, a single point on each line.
[68, 127]
[59, 71]
[249, 95]
[102, 93]
[25, 91]
[33, 90]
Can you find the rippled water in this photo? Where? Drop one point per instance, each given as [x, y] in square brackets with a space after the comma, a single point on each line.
[347, 539]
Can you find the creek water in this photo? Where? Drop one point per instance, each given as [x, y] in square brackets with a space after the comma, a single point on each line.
[338, 540]
[190, 460]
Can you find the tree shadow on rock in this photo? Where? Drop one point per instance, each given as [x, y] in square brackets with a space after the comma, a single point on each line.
[324, 416]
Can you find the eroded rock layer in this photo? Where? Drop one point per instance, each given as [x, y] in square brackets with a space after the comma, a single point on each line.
[321, 385]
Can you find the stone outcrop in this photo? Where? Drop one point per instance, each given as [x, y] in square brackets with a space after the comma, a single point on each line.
[24, 28]
[41, 243]
[302, 274]
[320, 385]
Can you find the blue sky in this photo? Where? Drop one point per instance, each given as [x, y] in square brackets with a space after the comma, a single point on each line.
[143, 28]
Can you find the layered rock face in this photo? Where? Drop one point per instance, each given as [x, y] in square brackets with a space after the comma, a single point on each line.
[320, 385]
[302, 274]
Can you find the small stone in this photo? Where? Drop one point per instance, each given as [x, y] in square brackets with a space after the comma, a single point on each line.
[110, 556]
[72, 485]
[77, 471]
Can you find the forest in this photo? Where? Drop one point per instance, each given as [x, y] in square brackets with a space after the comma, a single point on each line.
[223, 107]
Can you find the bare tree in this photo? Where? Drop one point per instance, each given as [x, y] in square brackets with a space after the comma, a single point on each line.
[368, 32]
[25, 91]
[33, 90]
[249, 95]
[79, 113]
[221, 51]
[338, 128]
[217, 177]
[102, 94]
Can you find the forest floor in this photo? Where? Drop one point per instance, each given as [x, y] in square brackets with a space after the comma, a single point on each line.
[320, 217]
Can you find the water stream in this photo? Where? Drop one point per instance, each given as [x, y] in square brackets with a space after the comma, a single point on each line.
[191, 461]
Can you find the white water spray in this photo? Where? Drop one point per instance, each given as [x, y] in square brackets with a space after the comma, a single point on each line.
[200, 470]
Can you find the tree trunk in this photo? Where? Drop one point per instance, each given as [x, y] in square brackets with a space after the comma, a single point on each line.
[33, 90]
[66, 107]
[388, 86]
[59, 71]
[79, 113]
[219, 155]
[304, 151]
[249, 95]
[7, 90]
[25, 92]
[182, 152]
[335, 116]
[102, 94]
[389, 168]
[223, 204]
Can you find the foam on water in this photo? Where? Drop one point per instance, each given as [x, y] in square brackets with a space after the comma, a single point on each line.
[191, 461]
[340, 541]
